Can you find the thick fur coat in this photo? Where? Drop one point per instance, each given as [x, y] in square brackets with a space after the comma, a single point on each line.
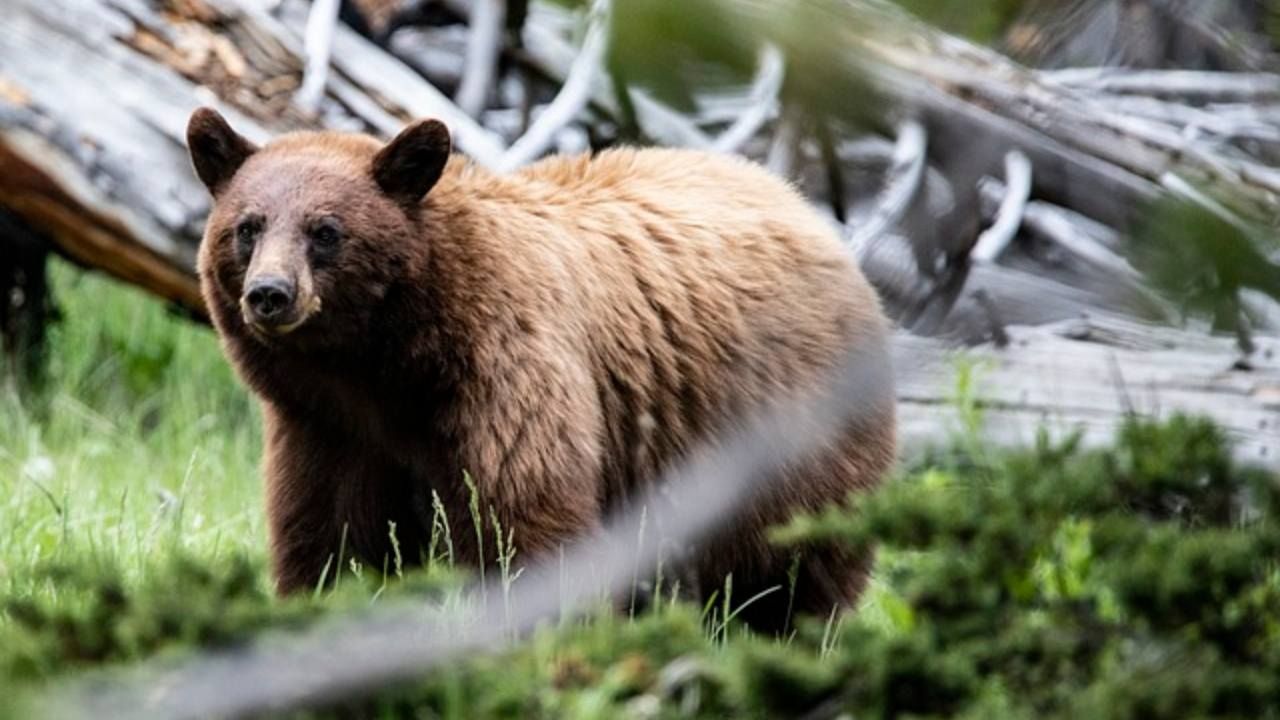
[560, 334]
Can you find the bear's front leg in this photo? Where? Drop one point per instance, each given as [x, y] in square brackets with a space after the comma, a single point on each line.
[534, 454]
[541, 499]
[326, 497]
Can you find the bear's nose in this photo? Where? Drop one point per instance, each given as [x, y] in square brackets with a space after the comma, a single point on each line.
[269, 297]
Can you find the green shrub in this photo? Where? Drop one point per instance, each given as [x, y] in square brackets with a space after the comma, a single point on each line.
[1135, 581]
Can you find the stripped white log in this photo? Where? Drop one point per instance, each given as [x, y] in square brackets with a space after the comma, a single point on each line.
[784, 148]
[763, 104]
[1057, 226]
[317, 43]
[572, 98]
[901, 187]
[554, 56]
[484, 46]
[993, 241]
[1231, 122]
[1081, 160]
[1189, 85]
[376, 73]
[1063, 377]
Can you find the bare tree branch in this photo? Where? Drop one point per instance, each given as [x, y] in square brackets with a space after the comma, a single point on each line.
[318, 42]
[764, 102]
[1063, 228]
[484, 46]
[992, 242]
[783, 151]
[365, 65]
[572, 98]
[902, 184]
[1186, 85]
[554, 57]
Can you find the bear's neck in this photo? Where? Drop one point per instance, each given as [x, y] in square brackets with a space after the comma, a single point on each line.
[456, 288]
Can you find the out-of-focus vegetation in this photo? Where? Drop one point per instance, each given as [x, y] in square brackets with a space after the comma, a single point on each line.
[138, 441]
[984, 21]
[706, 43]
[1202, 261]
[1135, 581]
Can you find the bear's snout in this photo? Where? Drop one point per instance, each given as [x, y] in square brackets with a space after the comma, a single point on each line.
[269, 302]
[269, 297]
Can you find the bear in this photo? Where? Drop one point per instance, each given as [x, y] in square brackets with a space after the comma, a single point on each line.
[420, 330]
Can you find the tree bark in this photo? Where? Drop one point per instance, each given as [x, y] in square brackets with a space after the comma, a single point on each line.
[95, 94]
[1086, 376]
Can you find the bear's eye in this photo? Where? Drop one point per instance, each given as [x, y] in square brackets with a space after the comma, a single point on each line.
[325, 234]
[247, 232]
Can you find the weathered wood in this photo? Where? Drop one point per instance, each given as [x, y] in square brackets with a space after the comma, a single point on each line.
[1223, 34]
[572, 98]
[1009, 212]
[977, 104]
[1085, 375]
[484, 46]
[105, 175]
[1198, 86]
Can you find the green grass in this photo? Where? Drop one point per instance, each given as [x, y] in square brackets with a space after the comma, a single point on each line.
[139, 442]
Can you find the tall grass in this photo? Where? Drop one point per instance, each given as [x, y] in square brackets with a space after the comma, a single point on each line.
[139, 441]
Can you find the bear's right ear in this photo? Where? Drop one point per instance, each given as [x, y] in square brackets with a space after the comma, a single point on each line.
[409, 166]
[217, 151]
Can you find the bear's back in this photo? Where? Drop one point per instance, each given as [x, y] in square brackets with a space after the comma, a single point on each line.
[705, 288]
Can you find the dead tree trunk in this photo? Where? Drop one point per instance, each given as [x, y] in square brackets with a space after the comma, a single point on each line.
[95, 94]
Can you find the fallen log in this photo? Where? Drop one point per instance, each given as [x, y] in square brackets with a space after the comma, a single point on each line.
[977, 104]
[1086, 375]
[105, 176]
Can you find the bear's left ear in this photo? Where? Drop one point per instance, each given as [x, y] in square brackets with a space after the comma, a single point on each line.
[409, 166]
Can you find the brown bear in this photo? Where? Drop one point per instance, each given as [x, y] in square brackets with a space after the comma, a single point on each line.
[560, 334]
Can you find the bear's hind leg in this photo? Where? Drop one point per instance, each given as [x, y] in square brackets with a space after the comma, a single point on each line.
[815, 581]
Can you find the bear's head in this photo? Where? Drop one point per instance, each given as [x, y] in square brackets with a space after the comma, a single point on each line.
[309, 232]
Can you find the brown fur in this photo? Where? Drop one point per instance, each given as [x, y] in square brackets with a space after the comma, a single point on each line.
[561, 334]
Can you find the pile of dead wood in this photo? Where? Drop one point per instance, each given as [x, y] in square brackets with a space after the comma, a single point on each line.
[994, 206]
